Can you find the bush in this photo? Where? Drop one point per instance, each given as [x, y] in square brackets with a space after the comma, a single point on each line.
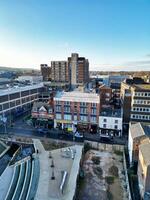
[113, 170]
[109, 179]
[118, 152]
[96, 160]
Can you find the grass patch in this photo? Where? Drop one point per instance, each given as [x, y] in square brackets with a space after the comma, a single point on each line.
[113, 170]
[96, 160]
[98, 171]
[48, 146]
[110, 179]
[118, 152]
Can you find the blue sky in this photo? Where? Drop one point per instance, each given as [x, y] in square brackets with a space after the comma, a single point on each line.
[112, 34]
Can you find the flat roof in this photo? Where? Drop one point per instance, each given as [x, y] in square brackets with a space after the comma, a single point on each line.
[142, 86]
[49, 189]
[12, 90]
[111, 113]
[76, 96]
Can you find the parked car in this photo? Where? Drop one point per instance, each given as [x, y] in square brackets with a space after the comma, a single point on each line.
[106, 138]
[43, 130]
[78, 135]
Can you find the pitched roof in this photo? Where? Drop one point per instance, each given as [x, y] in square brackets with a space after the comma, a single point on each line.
[145, 149]
[139, 129]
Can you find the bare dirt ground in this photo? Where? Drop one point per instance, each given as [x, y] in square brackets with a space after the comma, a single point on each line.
[103, 173]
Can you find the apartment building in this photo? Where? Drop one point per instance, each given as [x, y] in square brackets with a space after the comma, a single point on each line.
[46, 72]
[79, 69]
[60, 71]
[135, 96]
[144, 170]
[140, 103]
[18, 100]
[76, 109]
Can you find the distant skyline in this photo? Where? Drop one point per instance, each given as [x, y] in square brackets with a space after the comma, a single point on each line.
[113, 35]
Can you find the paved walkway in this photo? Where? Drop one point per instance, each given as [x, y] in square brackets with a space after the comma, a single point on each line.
[43, 186]
[49, 189]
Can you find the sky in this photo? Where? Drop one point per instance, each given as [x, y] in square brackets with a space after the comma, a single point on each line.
[112, 34]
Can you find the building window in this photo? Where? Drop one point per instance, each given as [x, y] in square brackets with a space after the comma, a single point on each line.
[116, 121]
[104, 120]
[93, 111]
[83, 118]
[67, 103]
[107, 95]
[67, 109]
[83, 104]
[93, 119]
[104, 125]
[115, 127]
[67, 117]
[58, 116]
[93, 105]
[58, 108]
[83, 110]
[58, 102]
[75, 117]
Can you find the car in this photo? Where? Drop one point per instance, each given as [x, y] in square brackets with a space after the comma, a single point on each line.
[106, 138]
[78, 135]
[43, 130]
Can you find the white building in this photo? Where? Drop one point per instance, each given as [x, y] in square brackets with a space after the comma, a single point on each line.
[137, 134]
[31, 79]
[110, 122]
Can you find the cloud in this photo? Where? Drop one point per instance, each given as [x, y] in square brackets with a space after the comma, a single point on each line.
[148, 55]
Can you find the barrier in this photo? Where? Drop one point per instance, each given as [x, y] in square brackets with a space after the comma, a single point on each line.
[64, 177]
[13, 183]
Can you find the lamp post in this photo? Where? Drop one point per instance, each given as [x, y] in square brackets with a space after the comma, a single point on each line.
[4, 119]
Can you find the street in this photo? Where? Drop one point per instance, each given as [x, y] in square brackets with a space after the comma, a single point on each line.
[22, 128]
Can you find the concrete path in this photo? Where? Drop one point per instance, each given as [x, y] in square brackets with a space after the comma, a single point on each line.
[42, 191]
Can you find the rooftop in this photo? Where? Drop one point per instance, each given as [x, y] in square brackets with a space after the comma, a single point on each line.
[63, 161]
[145, 149]
[111, 112]
[139, 129]
[142, 86]
[15, 89]
[76, 96]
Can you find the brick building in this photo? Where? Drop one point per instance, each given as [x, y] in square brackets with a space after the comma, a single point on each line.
[60, 71]
[79, 69]
[46, 72]
[105, 96]
[76, 109]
